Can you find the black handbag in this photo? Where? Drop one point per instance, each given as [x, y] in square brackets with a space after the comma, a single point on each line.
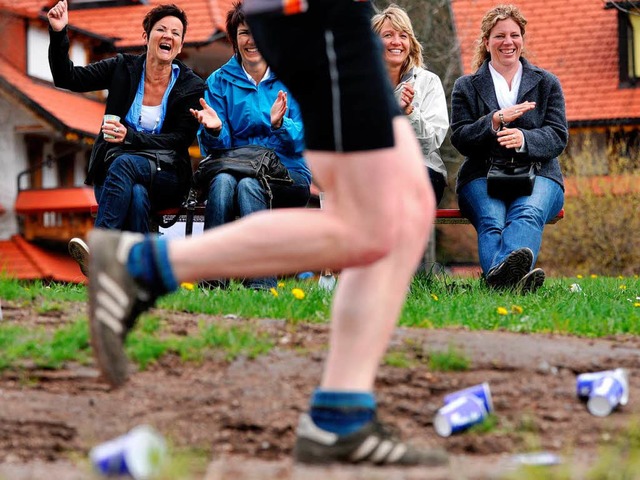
[510, 178]
[252, 161]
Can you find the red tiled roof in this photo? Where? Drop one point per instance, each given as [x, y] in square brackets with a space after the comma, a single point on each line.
[78, 199]
[28, 8]
[26, 261]
[576, 40]
[74, 111]
[124, 24]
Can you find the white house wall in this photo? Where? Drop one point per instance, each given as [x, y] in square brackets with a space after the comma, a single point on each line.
[13, 160]
[38, 53]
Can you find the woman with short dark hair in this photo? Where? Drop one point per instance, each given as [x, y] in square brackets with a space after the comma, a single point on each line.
[151, 94]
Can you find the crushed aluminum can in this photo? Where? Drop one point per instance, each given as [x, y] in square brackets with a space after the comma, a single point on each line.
[139, 454]
[458, 415]
[480, 391]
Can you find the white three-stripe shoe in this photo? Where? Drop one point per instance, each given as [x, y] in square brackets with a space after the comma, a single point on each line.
[115, 300]
[374, 443]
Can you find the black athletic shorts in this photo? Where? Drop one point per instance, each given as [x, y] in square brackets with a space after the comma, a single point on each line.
[331, 60]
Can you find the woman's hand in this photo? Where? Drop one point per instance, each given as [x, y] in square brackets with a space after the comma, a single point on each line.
[207, 117]
[58, 16]
[406, 98]
[508, 115]
[278, 109]
[510, 138]
[114, 131]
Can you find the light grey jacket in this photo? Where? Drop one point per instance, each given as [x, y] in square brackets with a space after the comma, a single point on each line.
[430, 118]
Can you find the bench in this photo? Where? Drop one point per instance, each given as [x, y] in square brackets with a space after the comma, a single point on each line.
[168, 217]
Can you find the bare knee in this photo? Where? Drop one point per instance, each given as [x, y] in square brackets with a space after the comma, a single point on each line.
[405, 225]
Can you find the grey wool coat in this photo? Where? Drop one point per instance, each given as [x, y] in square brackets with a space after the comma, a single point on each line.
[473, 103]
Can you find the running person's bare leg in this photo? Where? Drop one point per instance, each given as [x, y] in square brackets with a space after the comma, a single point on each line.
[378, 213]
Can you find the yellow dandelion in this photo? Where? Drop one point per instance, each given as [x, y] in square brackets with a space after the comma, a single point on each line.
[593, 275]
[502, 311]
[622, 287]
[635, 276]
[434, 296]
[637, 304]
[187, 285]
[517, 309]
[280, 284]
[273, 292]
[298, 293]
[578, 276]
[620, 277]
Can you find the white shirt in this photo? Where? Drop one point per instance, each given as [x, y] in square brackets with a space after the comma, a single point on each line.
[507, 97]
[265, 76]
[150, 117]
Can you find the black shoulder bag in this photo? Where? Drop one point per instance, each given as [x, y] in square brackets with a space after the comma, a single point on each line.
[248, 161]
[510, 177]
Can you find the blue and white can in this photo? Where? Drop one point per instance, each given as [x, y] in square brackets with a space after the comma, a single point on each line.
[605, 395]
[459, 414]
[586, 381]
[139, 454]
[480, 391]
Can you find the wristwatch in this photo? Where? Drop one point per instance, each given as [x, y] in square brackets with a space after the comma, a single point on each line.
[502, 122]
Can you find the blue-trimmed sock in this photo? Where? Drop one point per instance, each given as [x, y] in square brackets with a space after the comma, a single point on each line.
[148, 262]
[342, 412]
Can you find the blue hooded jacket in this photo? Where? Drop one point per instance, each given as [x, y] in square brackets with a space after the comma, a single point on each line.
[245, 112]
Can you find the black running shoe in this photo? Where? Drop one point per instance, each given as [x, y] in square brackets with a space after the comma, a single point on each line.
[115, 300]
[531, 282]
[511, 270]
[374, 443]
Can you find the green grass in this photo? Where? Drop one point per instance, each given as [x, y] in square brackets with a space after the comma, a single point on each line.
[43, 348]
[605, 306]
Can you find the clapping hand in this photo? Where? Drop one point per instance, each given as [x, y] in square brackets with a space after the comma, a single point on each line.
[278, 109]
[406, 98]
[207, 116]
[58, 16]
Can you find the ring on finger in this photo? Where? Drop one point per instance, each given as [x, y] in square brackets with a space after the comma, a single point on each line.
[116, 130]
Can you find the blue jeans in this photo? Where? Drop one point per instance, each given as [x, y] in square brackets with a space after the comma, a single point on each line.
[503, 227]
[130, 191]
[231, 197]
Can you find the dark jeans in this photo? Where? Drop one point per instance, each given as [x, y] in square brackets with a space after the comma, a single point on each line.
[231, 197]
[127, 196]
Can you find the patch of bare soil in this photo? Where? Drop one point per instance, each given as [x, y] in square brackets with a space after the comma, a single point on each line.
[244, 413]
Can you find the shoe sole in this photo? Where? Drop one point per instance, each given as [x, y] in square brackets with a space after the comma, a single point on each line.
[532, 281]
[107, 300]
[516, 266]
[79, 251]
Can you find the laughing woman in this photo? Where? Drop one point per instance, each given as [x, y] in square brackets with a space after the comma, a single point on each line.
[151, 94]
[508, 110]
[418, 91]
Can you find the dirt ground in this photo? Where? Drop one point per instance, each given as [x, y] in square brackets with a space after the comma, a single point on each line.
[243, 414]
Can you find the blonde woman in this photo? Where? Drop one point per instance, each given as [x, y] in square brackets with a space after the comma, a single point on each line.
[419, 92]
